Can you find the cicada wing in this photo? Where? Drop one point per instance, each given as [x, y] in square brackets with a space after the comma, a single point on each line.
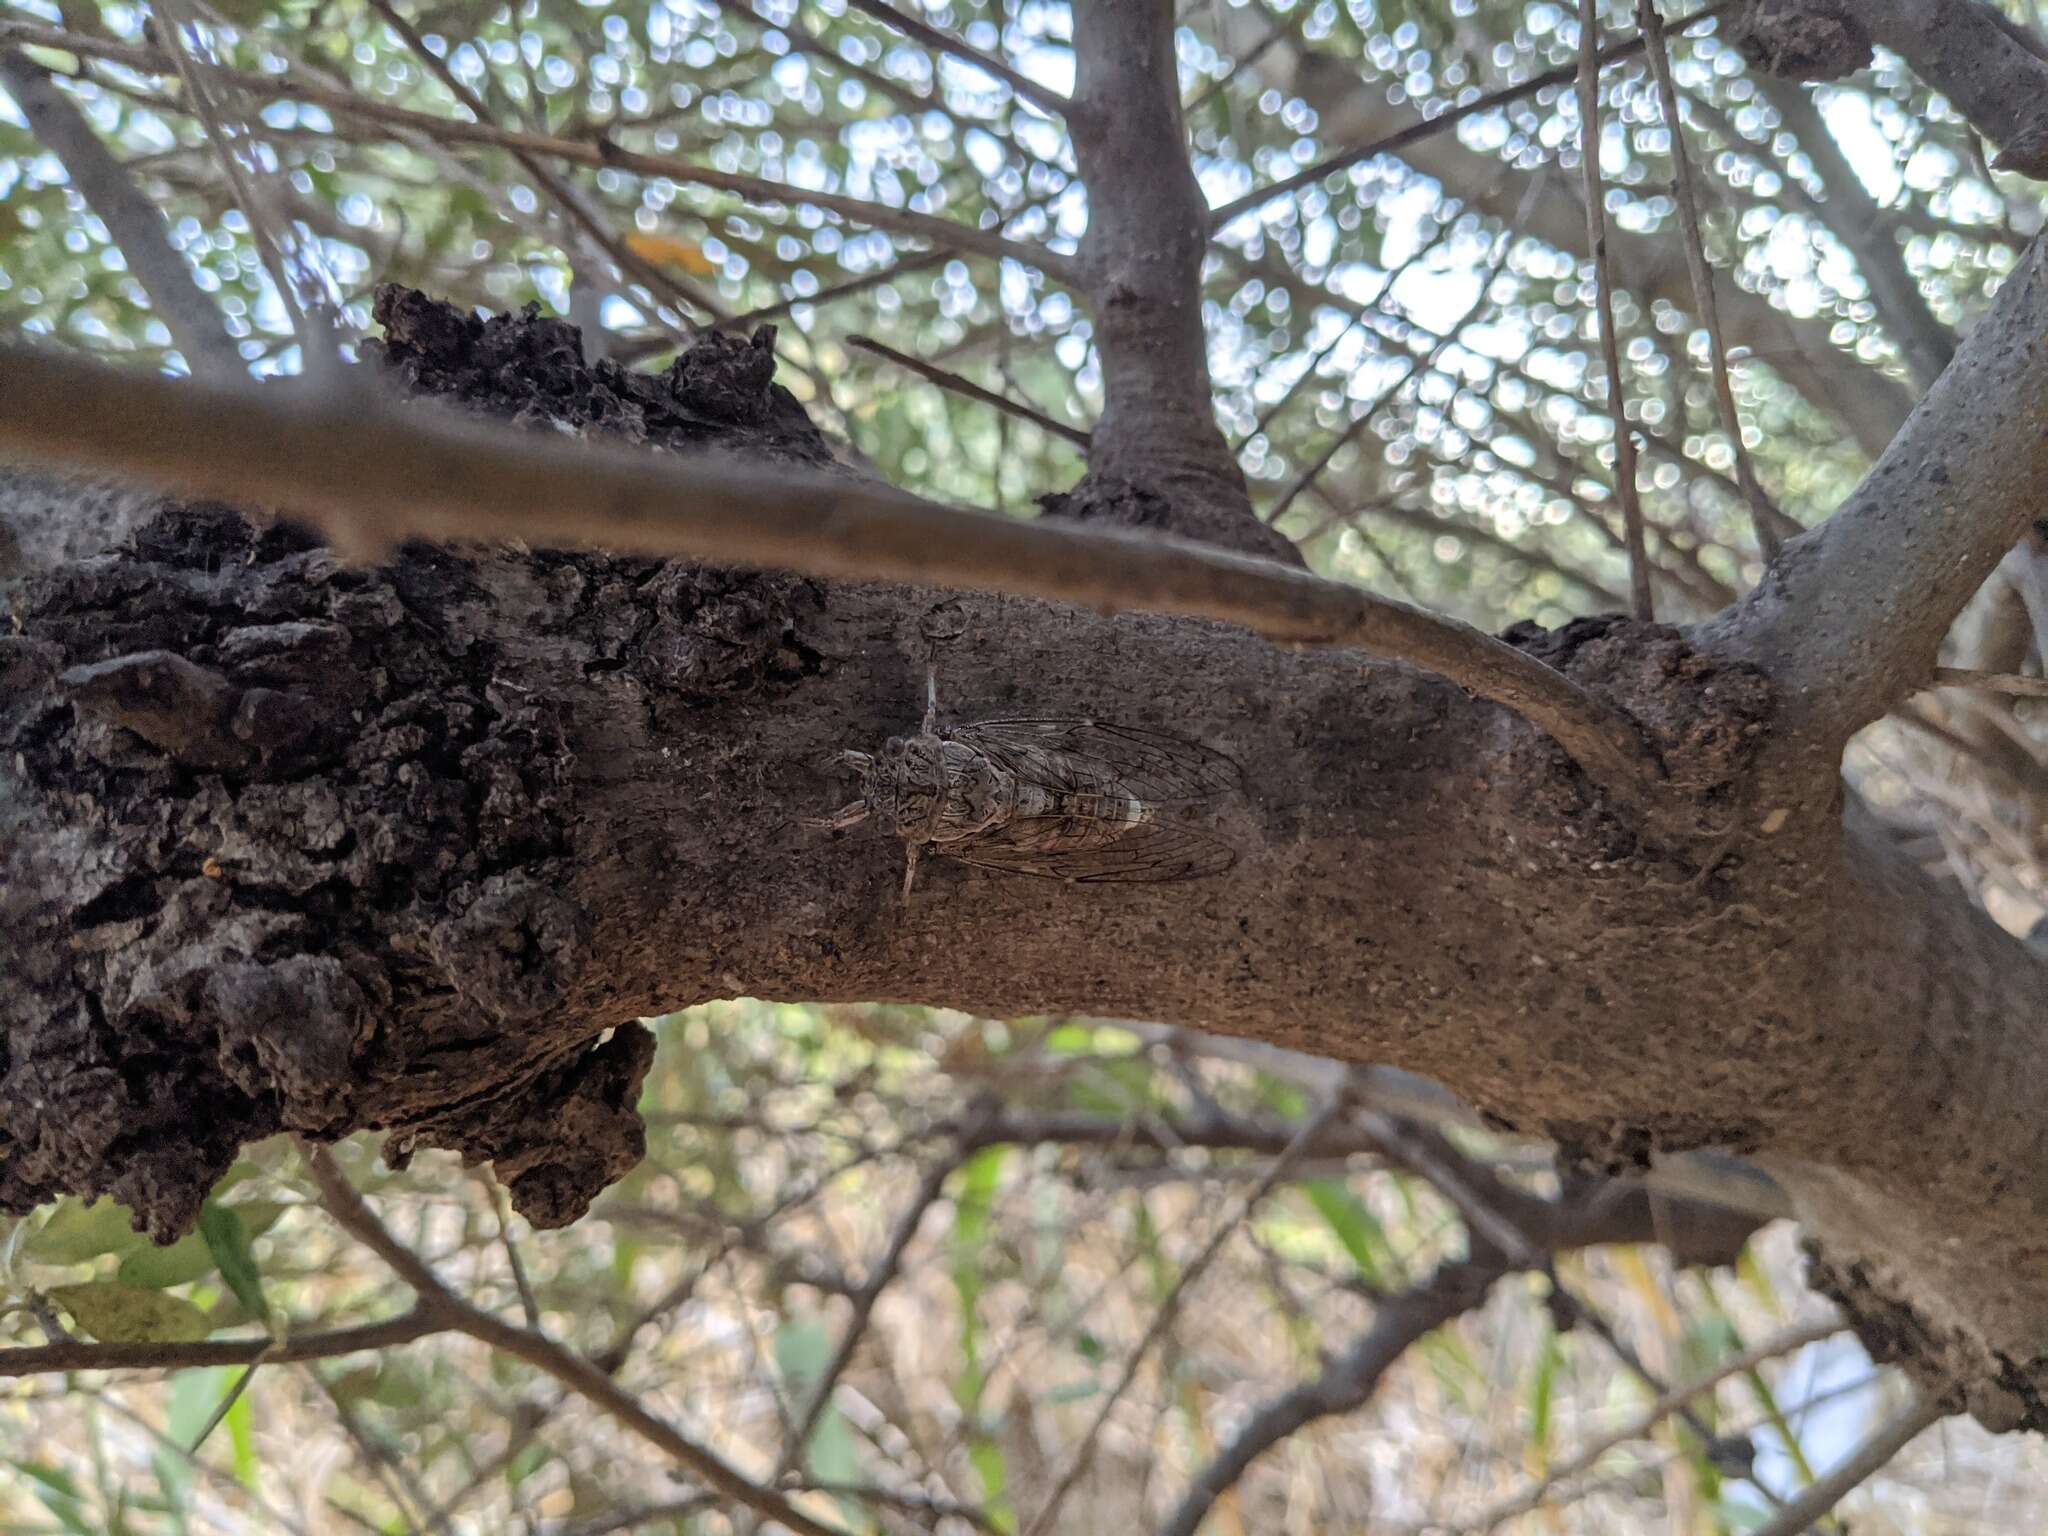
[1051, 847]
[1101, 756]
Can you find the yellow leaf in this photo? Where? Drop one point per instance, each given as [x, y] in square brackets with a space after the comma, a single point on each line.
[669, 251]
[123, 1314]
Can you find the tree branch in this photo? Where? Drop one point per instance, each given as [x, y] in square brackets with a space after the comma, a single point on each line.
[78, 1355]
[1991, 68]
[373, 476]
[1349, 1380]
[1850, 617]
[134, 223]
[967, 388]
[1626, 491]
[1158, 457]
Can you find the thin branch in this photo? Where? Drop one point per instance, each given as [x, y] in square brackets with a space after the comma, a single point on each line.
[248, 186]
[954, 383]
[929, 1188]
[572, 1370]
[1344, 1385]
[77, 1355]
[1870, 1458]
[134, 223]
[1652, 1414]
[599, 156]
[1762, 513]
[1415, 366]
[1169, 1309]
[566, 197]
[1641, 602]
[1048, 101]
[1344, 159]
[1992, 682]
[370, 475]
[918, 261]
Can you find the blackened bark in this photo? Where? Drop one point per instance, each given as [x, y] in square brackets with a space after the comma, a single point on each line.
[328, 848]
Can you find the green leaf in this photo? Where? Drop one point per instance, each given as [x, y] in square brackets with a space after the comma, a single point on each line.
[227, 1239]
[1360, 1232]
[1543, 1391]
[115, 1313]
[157, 1269]
[78, 1233]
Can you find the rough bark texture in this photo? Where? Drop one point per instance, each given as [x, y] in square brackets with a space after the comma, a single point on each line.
[289, 844]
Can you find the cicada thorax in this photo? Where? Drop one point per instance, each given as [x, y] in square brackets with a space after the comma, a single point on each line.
[931, 789]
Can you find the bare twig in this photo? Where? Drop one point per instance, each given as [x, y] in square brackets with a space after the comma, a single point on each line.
[1762, 514]
[885, 1269]
[566, 197]
[371, 475]
[78, 1355]
[1415, 366]
[317, 347]
[1870, 1458]
[565, 1366]
[1344, 1385]
[1169, 1309]
[1048, 101]
[1449, 118]
[1642, 604]
[1992, 682]
[954, 383]
[1662, 1407]
[134, 223]
[598, 156]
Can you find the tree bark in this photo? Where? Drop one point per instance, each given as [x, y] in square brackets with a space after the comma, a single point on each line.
[290, 844]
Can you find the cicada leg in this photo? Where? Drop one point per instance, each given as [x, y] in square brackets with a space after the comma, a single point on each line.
[847, 815]
[911, 851]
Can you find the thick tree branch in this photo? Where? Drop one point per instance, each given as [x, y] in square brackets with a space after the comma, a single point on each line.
[1157, 457]
[464, 813]
[1850, 617]
[372, 477]
[135, 224]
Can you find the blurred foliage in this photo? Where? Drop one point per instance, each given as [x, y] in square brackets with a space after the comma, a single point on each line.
[786, 1145]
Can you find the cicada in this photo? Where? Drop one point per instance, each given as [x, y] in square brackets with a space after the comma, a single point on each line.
[1062, 798]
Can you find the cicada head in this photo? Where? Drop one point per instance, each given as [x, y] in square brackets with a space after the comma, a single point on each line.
[905, 788]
